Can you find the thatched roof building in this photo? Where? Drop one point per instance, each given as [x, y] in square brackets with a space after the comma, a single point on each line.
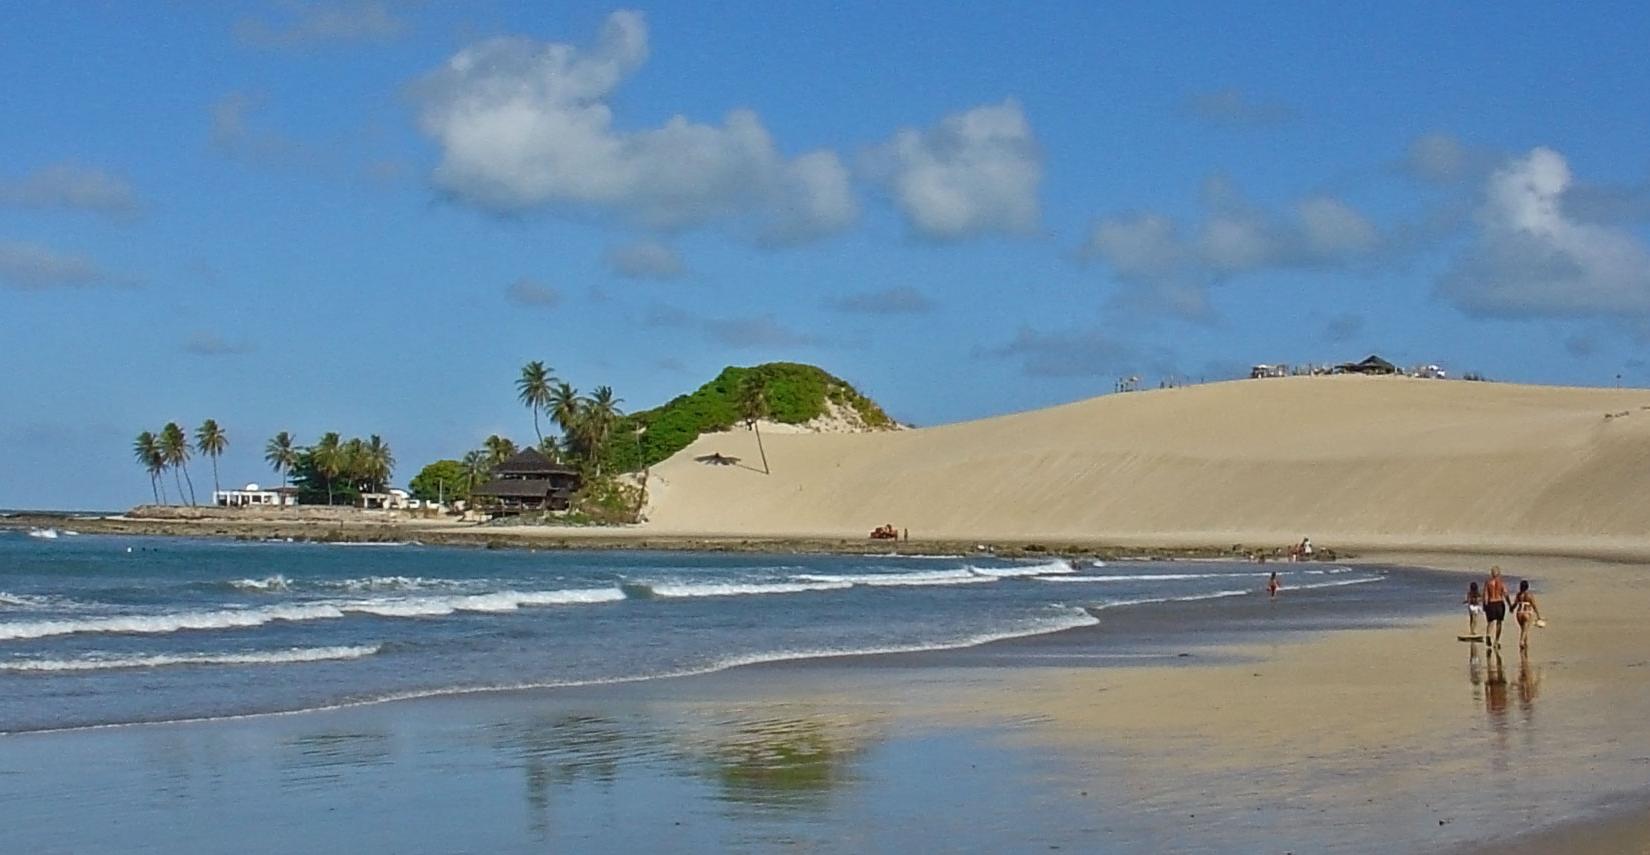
[528, 481]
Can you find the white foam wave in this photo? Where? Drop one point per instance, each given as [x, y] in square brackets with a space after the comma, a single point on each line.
[1071, 620]
[111, 663]
[320, 610]
[1189, 598]
[924, 578]
[1339, 583]
[390, 583]
[502, 601]
[1045, 569]
[1145, 577]
[739, 589]
[32, 601]
[266, 585]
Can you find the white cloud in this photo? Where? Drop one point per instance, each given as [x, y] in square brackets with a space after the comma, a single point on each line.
[32, 267]
[301, 24]
[525, 125]
[976, 172]
[68, 186]
[1437, 157]
[1530, 257]
[645, 259]
[526, 292]
[1171, 267]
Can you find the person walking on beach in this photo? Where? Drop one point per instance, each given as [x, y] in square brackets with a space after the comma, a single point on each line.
[1495, 604]
[1272, 586]
[1475, 607]
[1526, 612]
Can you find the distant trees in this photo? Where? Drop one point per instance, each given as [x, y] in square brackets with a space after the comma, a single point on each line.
[442, 481]
[336, 468]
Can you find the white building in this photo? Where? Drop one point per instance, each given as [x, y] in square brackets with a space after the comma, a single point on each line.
[396, 499]
[253, 496]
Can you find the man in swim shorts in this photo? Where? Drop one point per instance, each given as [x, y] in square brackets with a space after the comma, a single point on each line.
[1495, 605]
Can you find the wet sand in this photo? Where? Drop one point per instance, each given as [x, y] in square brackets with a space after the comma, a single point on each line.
[1376, 738]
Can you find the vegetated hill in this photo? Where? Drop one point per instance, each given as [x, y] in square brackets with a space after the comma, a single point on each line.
[796, 395]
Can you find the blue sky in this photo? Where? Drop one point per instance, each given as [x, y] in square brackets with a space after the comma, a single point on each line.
[365, 216]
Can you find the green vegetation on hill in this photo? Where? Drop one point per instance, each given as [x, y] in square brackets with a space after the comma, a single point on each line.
[794, 394]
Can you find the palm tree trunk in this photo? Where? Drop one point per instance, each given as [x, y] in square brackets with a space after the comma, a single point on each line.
[191, 481]
[536, 425]
[756, 426]
[178, 481]
[154, 490]
[329, 491]
[215, 488]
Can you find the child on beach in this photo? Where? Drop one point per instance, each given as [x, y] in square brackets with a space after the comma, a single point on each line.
[1475, 607]
[1272, 586]
[1526, 612]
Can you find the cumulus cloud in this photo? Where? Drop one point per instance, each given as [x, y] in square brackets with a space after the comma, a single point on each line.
[526, 292]
[975, 173]
[1530, 257]
[71, 187]
[303, 24]
[1230, 107]
[1077, 353]
[524, 125]
[902, 300]
[32, 267]
[1171, 266]
[212, 344]
[644, 260]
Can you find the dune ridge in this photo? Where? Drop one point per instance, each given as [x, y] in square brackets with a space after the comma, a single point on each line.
[1347, 460]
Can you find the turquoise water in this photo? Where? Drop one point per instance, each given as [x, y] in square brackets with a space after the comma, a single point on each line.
[100, 630]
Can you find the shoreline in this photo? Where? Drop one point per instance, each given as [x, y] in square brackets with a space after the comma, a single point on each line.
[1149, 701]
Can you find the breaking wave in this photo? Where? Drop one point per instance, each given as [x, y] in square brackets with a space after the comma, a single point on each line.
[111, 663]
[672, 590]
[962, 576]
[503, 601]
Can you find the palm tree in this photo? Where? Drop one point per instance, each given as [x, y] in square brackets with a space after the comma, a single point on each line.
[354, 467]
[378, 463]
[210, 440]
[499, 449]
[533, 390]
[328, 458]
[565, 406]
[281, 454]
[476, 467]
[174, 446]
[753, 408]
[147, 451]
[602, 412]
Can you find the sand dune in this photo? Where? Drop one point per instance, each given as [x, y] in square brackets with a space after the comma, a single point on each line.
[1349, 461]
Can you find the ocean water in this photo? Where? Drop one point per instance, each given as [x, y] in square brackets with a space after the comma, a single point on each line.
[100, 630]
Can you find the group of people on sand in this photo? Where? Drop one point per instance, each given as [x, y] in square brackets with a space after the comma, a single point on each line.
[1494, 602]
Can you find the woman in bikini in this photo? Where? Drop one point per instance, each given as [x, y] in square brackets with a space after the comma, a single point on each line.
[1526, 612]
[1475, 607]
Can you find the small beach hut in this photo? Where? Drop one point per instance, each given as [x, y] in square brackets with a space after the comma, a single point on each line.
[1371, 364]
